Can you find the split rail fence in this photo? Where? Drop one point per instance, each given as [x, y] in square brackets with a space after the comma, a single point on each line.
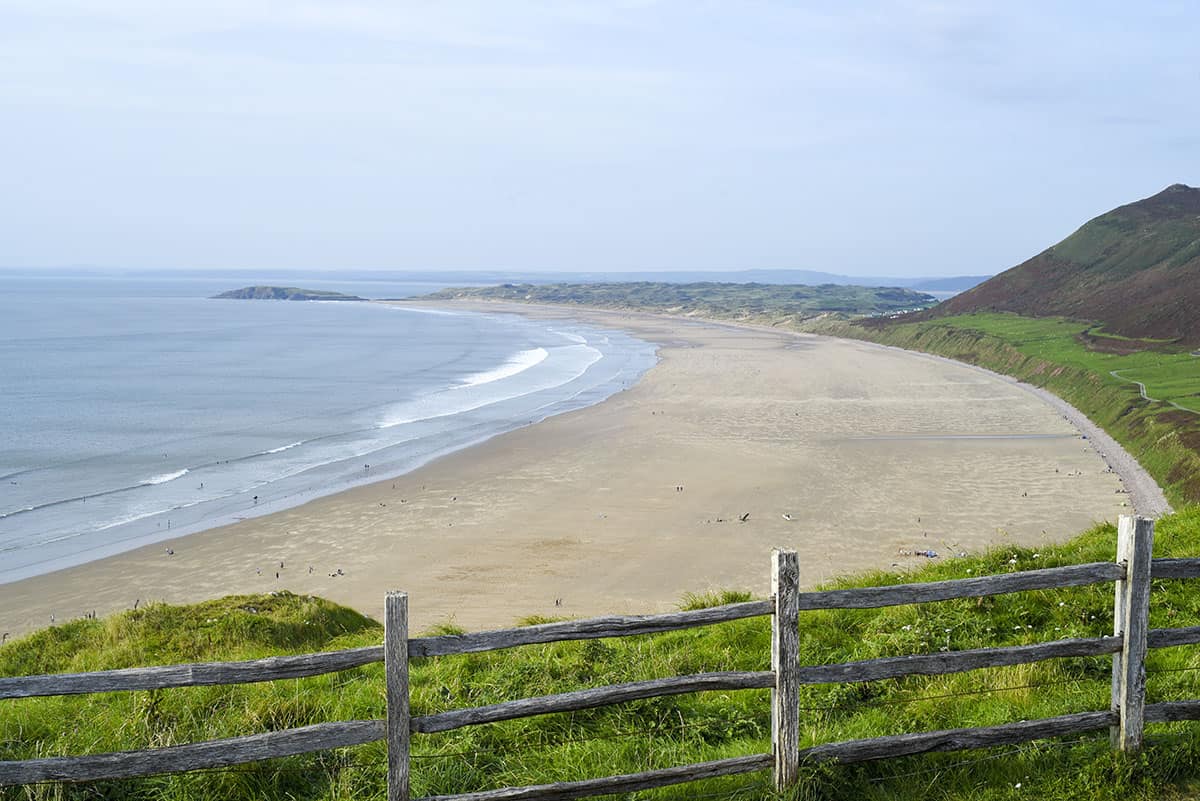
[1131, 572]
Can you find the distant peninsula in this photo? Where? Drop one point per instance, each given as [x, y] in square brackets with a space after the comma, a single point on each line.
[282, 293]
[774, 304]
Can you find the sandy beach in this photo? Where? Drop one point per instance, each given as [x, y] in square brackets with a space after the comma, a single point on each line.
[738, 441]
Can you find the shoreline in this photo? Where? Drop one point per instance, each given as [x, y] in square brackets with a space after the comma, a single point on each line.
[315, 480]
[624, 506]
[1145, 495]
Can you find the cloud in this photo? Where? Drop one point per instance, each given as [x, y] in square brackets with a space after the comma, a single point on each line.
[700, 129]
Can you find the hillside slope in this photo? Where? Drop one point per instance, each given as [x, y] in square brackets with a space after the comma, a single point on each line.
[1135, 269]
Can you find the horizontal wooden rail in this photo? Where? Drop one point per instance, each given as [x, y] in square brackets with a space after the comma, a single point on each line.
[989, 736]
[1175, 568]
[958, 739]
[195, 756]
[1166, 638]
[901, 594]
[589, 629]
[194, 675]
[222, 753]
[291, 667]
[847, 752]
[626, 783]
[892, 667]
[299, 666]
[302, 665]
[1172, 711]
[586, 699]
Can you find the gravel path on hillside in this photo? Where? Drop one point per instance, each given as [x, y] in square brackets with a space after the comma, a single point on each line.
[1145, 496]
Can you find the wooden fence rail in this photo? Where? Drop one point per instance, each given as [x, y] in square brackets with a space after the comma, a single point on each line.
[590, 629]
[901, 594]
[1131, 573]
[193, 756]
[195, 675]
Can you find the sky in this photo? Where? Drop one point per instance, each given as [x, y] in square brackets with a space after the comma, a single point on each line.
[895, 137]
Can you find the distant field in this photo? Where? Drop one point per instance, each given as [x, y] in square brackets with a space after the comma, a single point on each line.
[779, 303]
[1171, 376]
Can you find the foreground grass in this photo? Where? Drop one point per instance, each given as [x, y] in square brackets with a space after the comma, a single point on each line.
[636, 736]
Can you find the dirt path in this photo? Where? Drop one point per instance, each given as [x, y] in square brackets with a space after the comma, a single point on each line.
[1142, 389]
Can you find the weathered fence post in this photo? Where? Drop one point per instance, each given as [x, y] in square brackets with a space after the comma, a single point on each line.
[395, 658]
[785, 661]
[1131, 619]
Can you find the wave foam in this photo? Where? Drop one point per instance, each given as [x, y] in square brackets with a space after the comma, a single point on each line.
[514, 366]
[121, 521]
[164, 477]
[440, 404]
[22, 510]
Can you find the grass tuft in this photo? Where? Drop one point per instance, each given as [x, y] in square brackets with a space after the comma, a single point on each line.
[706, 600]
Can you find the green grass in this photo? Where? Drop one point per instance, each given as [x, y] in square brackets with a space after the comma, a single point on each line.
[1173, 381]
[640, 735]
[1169, 375]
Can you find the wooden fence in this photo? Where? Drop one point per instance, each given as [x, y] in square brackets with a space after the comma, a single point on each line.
[1131, 572]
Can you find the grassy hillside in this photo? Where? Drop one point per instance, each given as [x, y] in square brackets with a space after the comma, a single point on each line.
[635, 736]
[1094, 372]
[1136, 269]
[1169, 374]
[779, 302]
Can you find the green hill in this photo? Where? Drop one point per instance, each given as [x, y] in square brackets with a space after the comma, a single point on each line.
[1135, 270]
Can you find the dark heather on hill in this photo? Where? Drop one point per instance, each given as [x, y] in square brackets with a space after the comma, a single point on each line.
[1135, 269]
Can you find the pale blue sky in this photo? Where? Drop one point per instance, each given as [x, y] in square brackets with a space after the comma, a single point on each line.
[898, 137]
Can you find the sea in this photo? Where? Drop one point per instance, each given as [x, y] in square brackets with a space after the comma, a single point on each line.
[136, 408]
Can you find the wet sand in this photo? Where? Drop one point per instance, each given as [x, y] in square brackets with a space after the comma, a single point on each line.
[857, 456]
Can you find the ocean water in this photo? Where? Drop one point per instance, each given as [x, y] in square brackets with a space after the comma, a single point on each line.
[133, 410]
